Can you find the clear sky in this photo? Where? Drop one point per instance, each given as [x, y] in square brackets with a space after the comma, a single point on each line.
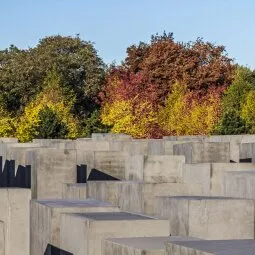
[113, 25]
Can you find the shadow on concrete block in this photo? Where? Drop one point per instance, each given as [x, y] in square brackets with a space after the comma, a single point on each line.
[52, 250]
[97, 175]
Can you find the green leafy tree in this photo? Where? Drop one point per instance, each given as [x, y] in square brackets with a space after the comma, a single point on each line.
[231, 123]
[51, 125]
[22, 72]
[232, 120]
[94, 125]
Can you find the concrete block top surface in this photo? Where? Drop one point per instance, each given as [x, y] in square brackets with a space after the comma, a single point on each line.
[219, 247]
[247, 172]
[149, 243]
[112, 216]
[203, 198]
[58, 203]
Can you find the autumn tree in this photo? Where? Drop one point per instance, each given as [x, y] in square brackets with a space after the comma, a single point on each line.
[143, 87]
[22, 72]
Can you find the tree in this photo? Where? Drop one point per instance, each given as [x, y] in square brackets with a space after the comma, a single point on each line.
[31, 122]
[22, 72]
[138, 97]
[50, 125]
[233, 120]
[200, 65]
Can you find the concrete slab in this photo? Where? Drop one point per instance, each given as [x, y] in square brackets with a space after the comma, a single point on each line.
[211, 247]
[240, 184]
[14, 220]
[136, 196]
[204, 152]
[154, 168]
[82, 234]
[2, 238]
[45, 219]
[218, 171]
[51, 168]
[208, 217]
[74, 191]
[139, 245]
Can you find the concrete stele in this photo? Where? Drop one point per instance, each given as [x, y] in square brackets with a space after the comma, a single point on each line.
[82, 234]
[45, 219]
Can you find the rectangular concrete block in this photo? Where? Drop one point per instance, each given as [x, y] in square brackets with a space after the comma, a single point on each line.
[82, 234]
[198, 174]
[128, 195]
[14, 220]
[45, 219]
[211, 247]
[240, 184]
[110, 137]
[56, 143]
[206, 152]
[138, 197]
[139, 245]
[74, 191]
[111, 162]
[2, 238]
[208, 217]
[218, 171]
[51, 168]
[155, 168]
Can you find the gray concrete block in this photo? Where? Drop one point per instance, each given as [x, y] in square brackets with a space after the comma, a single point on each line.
[50, 169]
[139, 245]
[128, 195]
[82, 234]
[56, 143]
[110, 137]
[74, 191]
[240, 184]
[14, 220]
[218, 171]
[198, 174]
[2, 238]
[111, 162]
[45, 219]
[206, 152]
[208, 217]
[154, 168]
[211, 247]
[136, 196]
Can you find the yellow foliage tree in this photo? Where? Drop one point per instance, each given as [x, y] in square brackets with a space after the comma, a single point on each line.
[7, 124]
[127, 117]
[185, 115]
[248, 110]
[53, 98]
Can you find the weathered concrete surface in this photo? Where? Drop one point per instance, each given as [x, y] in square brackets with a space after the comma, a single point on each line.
[212, 247]
[128, 195]
[154, 168]
[74, 191]
[136, 196]
[218, 171]
[110, 137]
[14, 218]
[56, 143]
[50, 169]
[240, 184]
[205, 152]
[45, 219]
[208, 217]
[139, 245]
[82, 234]
[198, 174]
[2, 238]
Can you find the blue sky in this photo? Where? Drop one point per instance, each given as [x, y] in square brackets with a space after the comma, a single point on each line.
[116, 24]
